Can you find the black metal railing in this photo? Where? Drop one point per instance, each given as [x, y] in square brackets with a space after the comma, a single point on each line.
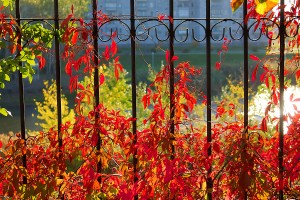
[206, 26]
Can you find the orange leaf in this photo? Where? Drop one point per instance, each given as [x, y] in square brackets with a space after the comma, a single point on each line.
[13, 49]
[235, 4]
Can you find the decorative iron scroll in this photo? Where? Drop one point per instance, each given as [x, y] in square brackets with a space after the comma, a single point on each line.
[155, 29]
[195, 29]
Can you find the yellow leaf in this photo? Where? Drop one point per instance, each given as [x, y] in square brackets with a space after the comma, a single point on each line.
[59, 181]
[264, 6]
[235, 4]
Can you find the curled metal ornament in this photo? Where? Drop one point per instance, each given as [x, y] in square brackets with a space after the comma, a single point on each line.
[185, 30]
[105, 36]
[219, 28]
[143, 31]
[188, 23]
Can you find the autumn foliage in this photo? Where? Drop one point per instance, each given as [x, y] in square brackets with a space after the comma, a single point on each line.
[174, 159]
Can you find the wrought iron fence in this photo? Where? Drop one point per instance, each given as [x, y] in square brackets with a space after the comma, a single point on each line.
[141, 29]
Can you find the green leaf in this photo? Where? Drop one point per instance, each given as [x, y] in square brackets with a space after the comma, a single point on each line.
[30, 77]
[31, 62]
[6, 77]
[36, 39]
[5, 3]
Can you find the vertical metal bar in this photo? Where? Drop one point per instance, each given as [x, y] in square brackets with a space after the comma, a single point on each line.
[172, 103]
[57, 73]
[133, 90]
[246, 73]
[208, 85]
[281, 89]
[96, 79]
[21, 89]
[246, 85]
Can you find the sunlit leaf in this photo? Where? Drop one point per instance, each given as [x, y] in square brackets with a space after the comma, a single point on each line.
[235, 4]
[264, 6]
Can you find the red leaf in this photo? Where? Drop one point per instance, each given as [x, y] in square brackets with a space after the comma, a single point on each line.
[253, 57]
[1, 144]
[84, 35]
[74, 38]
[81, 21]
[42, 61]
[216, 148]
[114, 34]
[297, 99]
[174, 58]
[297, 74]
[275, 98]
[73, 83]
[262, 77]
[106, 53]
[160, 17]
[102, 79]
[254, 73]
[167, 56]
[263, 125]
[117, 59]
[295, 107]
[168, 172]
[292, 97]
[273, 79]
[218, 66]
[80, 86]
[68, 69]
[113, 48]
[116, 73]
[171, 19]
[65, 22]
[94, 138]
[220, 111]
[268, 108]
[267, 82]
